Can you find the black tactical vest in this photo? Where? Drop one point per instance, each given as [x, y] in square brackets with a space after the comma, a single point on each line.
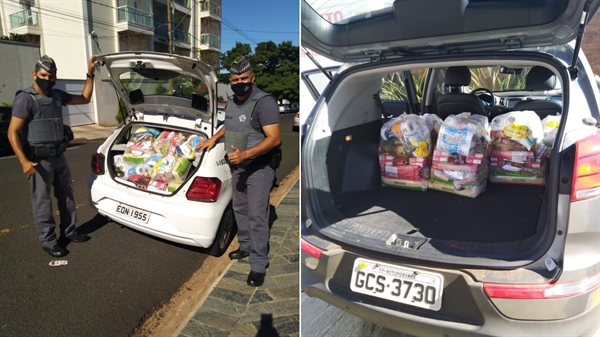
[46, 126]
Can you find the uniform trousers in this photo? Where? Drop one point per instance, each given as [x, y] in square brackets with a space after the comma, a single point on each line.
[52, 172]
[251, 191]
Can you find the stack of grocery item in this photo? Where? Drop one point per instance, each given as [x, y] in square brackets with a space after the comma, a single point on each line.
[404, 152]
[157, 160]
[460, 159]
[518, 153]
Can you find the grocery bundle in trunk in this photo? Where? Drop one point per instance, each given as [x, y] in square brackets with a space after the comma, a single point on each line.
[460, 160]
[405, 151]
[155, 159]
[518, 152]
[465, 152]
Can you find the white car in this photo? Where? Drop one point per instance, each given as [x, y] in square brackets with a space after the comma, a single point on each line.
[146, 174]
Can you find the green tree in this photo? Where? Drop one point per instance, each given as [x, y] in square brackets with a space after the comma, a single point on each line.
[277, 67]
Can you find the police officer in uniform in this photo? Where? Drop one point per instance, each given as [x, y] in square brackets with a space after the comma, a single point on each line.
[252, 140]
[38, 138]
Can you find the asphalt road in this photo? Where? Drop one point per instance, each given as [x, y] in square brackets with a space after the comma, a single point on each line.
[110, 282]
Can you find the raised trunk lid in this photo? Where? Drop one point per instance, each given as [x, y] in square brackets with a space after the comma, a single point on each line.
[163, 84]
[431, 26]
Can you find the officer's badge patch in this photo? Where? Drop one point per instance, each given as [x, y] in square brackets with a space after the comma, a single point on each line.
[242, 118]
[58, 103]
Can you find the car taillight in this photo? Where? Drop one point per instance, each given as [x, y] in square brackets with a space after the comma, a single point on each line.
[311, 249]
[586, 174]
[204, 189]
[542, 291]
[297, 115]
[98, 163]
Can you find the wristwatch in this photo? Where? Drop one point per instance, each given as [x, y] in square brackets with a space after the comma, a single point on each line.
[90, 76]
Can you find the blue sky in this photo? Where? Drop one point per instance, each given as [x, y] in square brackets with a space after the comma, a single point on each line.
[260, 20]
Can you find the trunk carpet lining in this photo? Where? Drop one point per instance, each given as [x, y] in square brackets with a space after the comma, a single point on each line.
[502, 213]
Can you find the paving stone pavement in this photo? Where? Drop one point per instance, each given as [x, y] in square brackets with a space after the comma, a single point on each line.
[273, 309]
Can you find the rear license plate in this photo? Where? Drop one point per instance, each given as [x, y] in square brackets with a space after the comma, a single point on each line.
[132, 212]
[399, 284]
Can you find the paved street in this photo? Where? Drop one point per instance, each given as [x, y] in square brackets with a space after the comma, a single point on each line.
[110, 283]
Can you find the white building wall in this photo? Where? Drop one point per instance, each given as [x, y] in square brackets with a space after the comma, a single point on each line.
[63, 37]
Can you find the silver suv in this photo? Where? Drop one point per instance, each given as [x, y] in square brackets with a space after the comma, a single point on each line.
[521, 254]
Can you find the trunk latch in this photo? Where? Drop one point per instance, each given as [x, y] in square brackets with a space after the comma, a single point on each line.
[374, 56]
[512, 43]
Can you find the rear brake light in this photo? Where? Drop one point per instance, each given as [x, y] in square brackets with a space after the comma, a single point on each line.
[586, 174]
[98, 163]
[542, 291]
[311, 249]
[204, 189]
[297, 115]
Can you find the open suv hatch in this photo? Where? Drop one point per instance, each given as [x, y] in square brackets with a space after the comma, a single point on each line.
[519, 257]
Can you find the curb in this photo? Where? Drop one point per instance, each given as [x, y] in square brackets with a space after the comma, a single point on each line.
[172, 316]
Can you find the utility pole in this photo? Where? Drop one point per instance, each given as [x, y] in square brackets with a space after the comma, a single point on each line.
[169, 26]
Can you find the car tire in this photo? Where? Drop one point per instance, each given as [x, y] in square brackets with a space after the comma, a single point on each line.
[225, 233]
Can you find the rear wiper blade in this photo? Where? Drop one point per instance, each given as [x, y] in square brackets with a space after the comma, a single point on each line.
[325, 72]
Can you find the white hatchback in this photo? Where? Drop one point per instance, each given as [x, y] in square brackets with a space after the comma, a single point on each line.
[146, 175]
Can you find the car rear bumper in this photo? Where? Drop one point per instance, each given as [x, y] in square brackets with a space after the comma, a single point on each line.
[480, 316]
[171, 218]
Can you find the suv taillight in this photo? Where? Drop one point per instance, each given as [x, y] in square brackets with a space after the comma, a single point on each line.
[204, 189]
[543, 291]
[98, 163]
[311, 249]
[586, 174]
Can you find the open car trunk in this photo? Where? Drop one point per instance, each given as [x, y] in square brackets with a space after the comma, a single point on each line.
[504, 222]
[134, 158]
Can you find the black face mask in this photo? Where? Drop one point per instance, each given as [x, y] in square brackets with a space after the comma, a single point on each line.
[45, 85]
[241, 89]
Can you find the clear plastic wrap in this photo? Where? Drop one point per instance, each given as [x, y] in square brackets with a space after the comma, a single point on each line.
[460, 159]
[516, 131]
[404, 152]
[159, 183]
[181, 166]
[550, 125]
[518, 153]
[462, 135]
[157, 160]
[434, 123]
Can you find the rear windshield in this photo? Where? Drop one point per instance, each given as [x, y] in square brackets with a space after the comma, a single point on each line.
[163, 83]
[496, 78]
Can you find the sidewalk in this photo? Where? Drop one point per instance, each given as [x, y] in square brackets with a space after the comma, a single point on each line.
[234, 309]
[91, 132]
